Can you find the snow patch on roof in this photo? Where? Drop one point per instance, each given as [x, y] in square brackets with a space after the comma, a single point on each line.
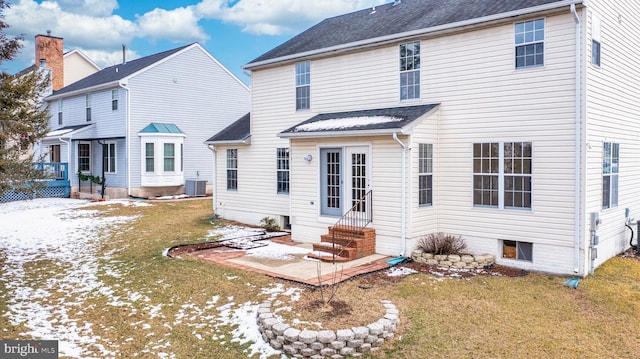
[346, 122]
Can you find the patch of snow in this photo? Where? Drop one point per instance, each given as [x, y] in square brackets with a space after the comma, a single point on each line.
[400, 271]
[276, 251]
[345, 123]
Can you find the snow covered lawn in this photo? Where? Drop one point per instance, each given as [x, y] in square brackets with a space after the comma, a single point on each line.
[59, 283]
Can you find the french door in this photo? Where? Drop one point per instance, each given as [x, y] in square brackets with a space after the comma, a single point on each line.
[344, 179]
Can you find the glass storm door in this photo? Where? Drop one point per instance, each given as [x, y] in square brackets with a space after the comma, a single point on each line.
[344, 179]
[357, 172]
[331, 181]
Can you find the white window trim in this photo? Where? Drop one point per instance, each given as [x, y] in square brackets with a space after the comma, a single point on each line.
[287, 170]
[88, 112]
[427, 173]
[115, 157]
[227, 169]
[543, 41]
[418, 70]
[308, 85]
[501, 175]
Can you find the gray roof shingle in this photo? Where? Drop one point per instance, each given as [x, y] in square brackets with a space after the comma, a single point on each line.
[236, 132]
[117, 72]
[390, 19]
[391, 119]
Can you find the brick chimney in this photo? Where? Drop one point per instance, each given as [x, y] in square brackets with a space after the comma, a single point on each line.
[50, 53]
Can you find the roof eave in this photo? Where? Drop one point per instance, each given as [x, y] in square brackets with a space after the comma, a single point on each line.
[344, 133]
[103, 86]
[244, 141]
[389, 38]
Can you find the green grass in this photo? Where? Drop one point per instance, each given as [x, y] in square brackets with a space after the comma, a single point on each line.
[481, 317]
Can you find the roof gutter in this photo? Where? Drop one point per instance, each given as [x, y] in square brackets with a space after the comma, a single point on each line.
[434, 29]
[84, 90]
[349, 133]
[244, 141]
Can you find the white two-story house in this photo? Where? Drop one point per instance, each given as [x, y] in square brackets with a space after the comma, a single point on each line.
[140, 125]
[510, 123]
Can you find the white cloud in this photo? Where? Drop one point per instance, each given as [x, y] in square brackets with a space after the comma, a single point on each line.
[180, 24]
[109, 58]
[275, 17]
[89, 7]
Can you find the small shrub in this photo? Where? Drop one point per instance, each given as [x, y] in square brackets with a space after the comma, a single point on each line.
[270, 224]
[442, 244]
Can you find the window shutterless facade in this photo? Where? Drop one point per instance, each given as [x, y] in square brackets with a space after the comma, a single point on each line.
[529, 42]
[502, 174]
[425, 174]
[610, 170]
[232, 169]
[303, 85]
[59, 112]
[84, 157]
[114, 99]
[149, 157]
[169, 157]
[88, 107]
[109, 157]
[410, 71]
[282, 169]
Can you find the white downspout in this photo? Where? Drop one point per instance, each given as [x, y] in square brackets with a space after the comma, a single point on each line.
[578, 148]
[212, 148]
[403, 215]
[127, 137]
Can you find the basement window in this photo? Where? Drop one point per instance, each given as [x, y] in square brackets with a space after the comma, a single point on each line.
[517, 250]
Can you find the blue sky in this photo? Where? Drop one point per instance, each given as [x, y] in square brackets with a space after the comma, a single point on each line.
[233, 31]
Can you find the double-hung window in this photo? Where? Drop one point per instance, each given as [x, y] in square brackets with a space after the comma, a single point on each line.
[410, 71]
[425, 174]
[88, 106]
[529, 41]
[596, 25]
[109, 157]
[610, 170]
[149, 157]
[282, 165]
[232, 169]
[114, 99]
[303, 85]
[59, 112]
[84, 157]
[502, 173]
[169, 157]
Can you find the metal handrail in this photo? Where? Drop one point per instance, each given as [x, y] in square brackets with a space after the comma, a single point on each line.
[354, 220]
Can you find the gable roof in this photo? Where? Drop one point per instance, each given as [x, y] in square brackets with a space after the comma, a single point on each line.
[394, 21]
[67, 131]
[236, 133]
[117, 72]
[363, 122]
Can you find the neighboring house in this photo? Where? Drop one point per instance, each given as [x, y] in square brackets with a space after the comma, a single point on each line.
[510, 123]
[77, 66]
[141, 125]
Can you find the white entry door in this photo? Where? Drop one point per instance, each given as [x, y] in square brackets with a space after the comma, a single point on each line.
[344, 179]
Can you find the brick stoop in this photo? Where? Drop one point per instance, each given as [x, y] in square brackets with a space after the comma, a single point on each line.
[349, 244]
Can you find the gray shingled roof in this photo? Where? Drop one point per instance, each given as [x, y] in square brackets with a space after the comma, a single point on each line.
[117, 72]
[408, 15]
[234, 133]
[384, 119]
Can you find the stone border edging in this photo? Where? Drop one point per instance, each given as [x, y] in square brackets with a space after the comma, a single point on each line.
[463, 261]
[317, 344]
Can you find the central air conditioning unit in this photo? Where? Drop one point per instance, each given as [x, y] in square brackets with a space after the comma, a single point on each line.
[195, 188]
